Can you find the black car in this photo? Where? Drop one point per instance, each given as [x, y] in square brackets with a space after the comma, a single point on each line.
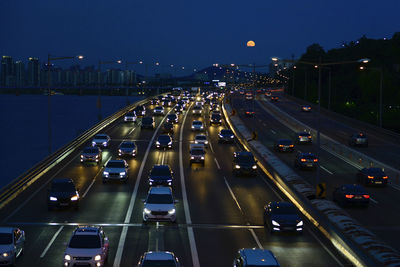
[226, 136]
[283, 145]
[62, 193]
[160, 175]
[244, 163]
[154, 101]
[274, 98]
[140, 111]
[282, 216]
[303, 138]
[358, 139]
[306, 108]
[173, 118]
[148, 123]
[306, 160]
[178, 108]
[249, 112]
[168, 128]
[351, 194]
[215, 119]
[372, 176]
[164, 141]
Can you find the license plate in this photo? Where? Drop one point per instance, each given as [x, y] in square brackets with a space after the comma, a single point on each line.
[357, 197]
[378, 182]
[64, 204]
[309, 165]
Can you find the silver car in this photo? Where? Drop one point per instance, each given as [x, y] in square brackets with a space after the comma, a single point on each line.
[159, 205]
[91, 154]
[115, 170]
[201, 139]
[130, 117]
[197, 126]
[197, 110]
[358, 139]
[127, 148]
[158, 110]
[12, 241]
[101, 140]
[88, 246]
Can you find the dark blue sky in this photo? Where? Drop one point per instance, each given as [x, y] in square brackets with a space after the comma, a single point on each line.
[187, 33]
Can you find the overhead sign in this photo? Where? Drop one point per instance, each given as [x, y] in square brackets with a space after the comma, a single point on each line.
[321, 190]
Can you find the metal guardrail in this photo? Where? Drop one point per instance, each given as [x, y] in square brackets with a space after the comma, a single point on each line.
[21, 183]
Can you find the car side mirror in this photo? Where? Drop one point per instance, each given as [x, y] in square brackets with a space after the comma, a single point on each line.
[143, 200]
[65, 243]
[176, 201]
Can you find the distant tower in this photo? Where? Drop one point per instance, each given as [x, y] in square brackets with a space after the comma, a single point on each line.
[19, 74]
[7, 71]
[33, 72]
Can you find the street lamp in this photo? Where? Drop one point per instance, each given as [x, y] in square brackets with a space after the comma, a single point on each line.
[49, 59]
[380, 70]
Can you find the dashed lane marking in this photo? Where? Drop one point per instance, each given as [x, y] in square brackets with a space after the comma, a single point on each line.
[51, 241]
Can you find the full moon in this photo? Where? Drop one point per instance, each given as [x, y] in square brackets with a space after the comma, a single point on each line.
[251, 43]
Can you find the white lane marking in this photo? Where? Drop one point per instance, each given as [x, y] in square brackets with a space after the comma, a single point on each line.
[272, 131]
[326, 249]
[233, 195]
[256, 238]
[93, 181]
[51, 241]
[216, 162]
[124, 232]
[325, 169]
[39, 189]
[373, 200]
[211, 147]
[134, 128]
[162, 157]
[192, 242]
[157, 226]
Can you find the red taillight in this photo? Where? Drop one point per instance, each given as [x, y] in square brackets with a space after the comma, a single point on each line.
[370, 177]
[280, 145]
[310, 136]
[384, 177]
[349, 196]
[366, 196]
[303, 160]
[291, 145]
[315, 160]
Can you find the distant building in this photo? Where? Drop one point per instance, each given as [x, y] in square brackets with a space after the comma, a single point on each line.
[19, 74]
[7, 71]
[33, 77]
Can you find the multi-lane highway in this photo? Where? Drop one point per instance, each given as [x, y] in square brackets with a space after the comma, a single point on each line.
[217, 213]
[381, 215]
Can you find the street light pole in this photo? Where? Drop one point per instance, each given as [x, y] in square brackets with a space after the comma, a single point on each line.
[329, 88]
[380, 97]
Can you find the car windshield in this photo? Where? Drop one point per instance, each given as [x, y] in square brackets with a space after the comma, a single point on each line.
[115, 164]
[226, 132]
[284, 209]
[308, 157]
[62, 187]
[90, 150]
[159, 199]
[127, 145]
[168, 125]
[147, 120]
[164, 138]
[215, 116]
[197, 152]
[5, 238]
[243, 158]
[285, 142]
[130, 114]
[304, 134]
[100, 136]
[160, 172]
[201, 137]
[159, 263]
[198, 108]
[172, 116]
[85, 241]
[375, 171]
[197, 123]
[159, 108]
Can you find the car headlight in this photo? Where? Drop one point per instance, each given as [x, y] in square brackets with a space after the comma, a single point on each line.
[220, 135]
[147, 211]
[122, 173]
[97, 156]
[237, 166]
[191, 157]
[81, 156]
[97, 257]
[105, 143]
[196, 142]
[192, 127]
[67, 257]
[53, 199]
[157, 143]
[106, 173]
[254, 167]
[93, 143]
[201, 127]
[6, 254]
[74, 198]
[275, 223]
[119, 150]
[202, 157]
[300, 223]
[169, 143]
[232, 136]
[205, 142]
[171, 211]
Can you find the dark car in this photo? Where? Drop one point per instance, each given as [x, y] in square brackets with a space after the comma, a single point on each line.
[282, 216]
[158, 259]
[226, 136]
[215, 119]
[274, 98]
[306, 160]
[358, 139]
[173, 118]
[160, 175]
[283, 145]
[148, 123]
[91, 154]
[178, 108]
[372, 176]
[154, 101]
[244, 163]
[140, 111]
[351, 194]
[168, 128]
[164, 141]
[249, 112]
[303, 138]
[306, 108]
[127, 148]
[62, 193]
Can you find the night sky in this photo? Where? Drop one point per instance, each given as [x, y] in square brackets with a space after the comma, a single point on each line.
[187, 33]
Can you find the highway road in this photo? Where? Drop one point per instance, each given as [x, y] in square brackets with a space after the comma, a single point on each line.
[217, 213]
[381, 217]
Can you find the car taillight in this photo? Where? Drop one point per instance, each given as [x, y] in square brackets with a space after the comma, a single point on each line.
[384, 177]
[315, 160]
[370, 177]
[309, 136]
[291, 146]
[303, 160]
[280, 145]
[366, 196]
[349, 196]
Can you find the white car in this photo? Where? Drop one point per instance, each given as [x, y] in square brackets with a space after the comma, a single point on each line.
[101, 140]
[88, 246]
[197, 126]
[115, 170]
[158, 258]
[158, 110]
[201, 139]
[130, 117]
[197, 110]
[12, 241]
[159, 205]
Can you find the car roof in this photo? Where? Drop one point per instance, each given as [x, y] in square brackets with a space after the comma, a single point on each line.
[226, 130]
[285, 140]
[353, 187]
[197, 121]
[162, 190]
[259, 257]
[243, 153]
[101, 135]
[303, 154]
[62, 180]
[158, 166]
[87, 230]
[159, 255]
[303, 133]
[128, 142]
[116, 160]
[6, 230]
[200, 135]
[277, 204]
